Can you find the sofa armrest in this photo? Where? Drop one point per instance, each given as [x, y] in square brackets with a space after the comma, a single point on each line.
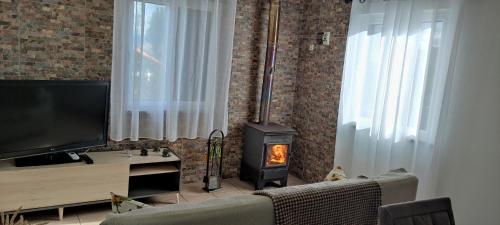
[397, 187]
[244, 209]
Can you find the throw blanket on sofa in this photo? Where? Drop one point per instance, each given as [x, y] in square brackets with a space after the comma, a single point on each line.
[333, 203]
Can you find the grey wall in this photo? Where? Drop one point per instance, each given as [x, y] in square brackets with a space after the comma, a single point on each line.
[470, 172]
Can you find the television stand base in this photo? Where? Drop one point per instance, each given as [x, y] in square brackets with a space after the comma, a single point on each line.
[47, 159]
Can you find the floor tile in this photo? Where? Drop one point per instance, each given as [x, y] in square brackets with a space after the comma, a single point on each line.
[241, 185]
[294, 180]
[52, 217]
[166, 199]
[248, 187]
[193, 188]
[194, 193]
[197, 197]
[226, 187]
[94, 214]
[229, 194]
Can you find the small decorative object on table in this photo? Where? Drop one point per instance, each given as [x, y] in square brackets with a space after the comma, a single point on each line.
[213, 176]
[336, 174]
[122, 204]
[144, 152]
[166, 152]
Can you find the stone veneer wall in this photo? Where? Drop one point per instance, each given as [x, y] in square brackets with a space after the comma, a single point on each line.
[317, 90]
[55, 39]
[72, 39]
[248, 66]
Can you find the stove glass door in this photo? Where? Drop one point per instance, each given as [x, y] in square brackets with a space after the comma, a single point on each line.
[277, 155]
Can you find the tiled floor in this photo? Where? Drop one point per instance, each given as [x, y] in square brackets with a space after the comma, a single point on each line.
[191, 193]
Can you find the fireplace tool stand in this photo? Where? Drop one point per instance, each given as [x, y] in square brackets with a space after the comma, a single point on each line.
[213, 175]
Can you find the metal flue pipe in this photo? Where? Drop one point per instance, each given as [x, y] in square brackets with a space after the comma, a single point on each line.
[270, 64]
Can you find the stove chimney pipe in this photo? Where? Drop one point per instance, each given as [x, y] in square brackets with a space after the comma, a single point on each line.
[270, 64]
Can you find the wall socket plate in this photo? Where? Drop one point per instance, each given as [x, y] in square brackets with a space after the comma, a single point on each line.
[324, 38]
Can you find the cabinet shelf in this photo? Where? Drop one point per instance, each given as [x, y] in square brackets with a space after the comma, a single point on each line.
[153, 175]
[153, 184]
[150, 169]
[148, 192]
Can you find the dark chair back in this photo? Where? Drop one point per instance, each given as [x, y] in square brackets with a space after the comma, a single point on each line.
[427, 212]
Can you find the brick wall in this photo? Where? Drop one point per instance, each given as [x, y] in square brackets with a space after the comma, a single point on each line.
[317, 90]
[55, 39]
[248, 66]
[72, 39]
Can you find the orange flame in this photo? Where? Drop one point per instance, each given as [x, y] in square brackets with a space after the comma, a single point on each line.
[277, 155]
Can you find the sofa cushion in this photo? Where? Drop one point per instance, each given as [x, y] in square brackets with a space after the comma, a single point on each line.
[397, 187]
[244, 210]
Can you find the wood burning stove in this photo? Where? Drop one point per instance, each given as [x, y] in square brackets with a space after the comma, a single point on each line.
[268, 146]
[266, 153]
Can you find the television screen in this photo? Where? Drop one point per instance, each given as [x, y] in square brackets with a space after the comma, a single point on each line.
[39, 117]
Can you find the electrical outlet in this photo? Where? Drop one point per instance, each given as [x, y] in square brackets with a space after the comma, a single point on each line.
[325, 38]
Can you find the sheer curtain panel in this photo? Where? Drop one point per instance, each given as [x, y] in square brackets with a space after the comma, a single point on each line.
[395, 75]
[171, 68]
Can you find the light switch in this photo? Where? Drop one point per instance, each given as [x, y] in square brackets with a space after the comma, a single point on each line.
[325, 38]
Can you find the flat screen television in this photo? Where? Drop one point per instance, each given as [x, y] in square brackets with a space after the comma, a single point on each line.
[40, 117]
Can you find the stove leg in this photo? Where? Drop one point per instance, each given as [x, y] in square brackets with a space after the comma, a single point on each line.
[243, 177]
[259, 185]
[284, 182]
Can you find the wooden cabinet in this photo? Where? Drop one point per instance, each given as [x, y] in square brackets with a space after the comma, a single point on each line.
[152, 175]
[59, 186]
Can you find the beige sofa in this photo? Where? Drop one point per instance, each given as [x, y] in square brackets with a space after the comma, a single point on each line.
[249, 209]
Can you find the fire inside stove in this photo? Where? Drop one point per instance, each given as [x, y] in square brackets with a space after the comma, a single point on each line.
[277, 155]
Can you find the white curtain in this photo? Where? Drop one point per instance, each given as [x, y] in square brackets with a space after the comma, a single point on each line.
[171, 68]
[395, 75]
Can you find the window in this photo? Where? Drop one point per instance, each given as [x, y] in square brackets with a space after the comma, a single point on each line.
[154, 27]
[171, 68]
[397, 66]
[150, 27]
[392, 74]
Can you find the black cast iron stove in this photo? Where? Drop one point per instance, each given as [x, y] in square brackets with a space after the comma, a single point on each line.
[266, 153]
[268, 146]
